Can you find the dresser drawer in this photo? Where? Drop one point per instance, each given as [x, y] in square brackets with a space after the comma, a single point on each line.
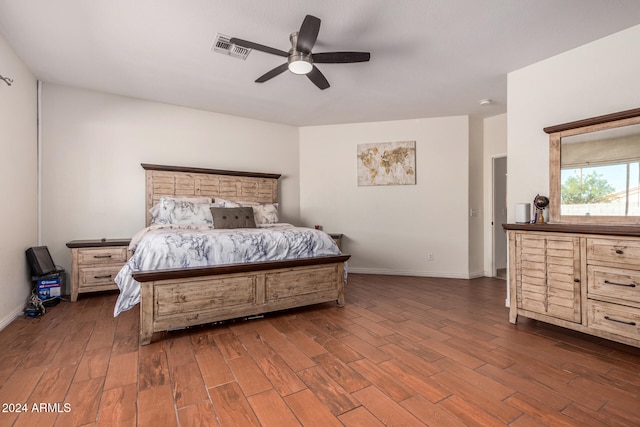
[95, 276]
[613, 318]
[618, 283]
[613, 250]
[95, 256]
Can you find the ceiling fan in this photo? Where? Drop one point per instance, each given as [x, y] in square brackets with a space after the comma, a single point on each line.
[300, 59]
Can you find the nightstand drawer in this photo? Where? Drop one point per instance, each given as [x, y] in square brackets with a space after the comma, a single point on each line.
[98, 275]
[95, 256]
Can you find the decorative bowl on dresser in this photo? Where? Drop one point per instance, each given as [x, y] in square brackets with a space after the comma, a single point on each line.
[95, 263]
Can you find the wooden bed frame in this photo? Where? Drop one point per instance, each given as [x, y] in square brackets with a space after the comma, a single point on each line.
[177, 298]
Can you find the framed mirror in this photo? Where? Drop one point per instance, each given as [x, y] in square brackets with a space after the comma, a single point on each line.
[594, 170]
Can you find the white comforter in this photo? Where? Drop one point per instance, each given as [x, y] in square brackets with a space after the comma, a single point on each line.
[179, 246]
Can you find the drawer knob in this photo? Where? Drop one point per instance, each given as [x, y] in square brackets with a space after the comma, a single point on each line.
[619, 251]
[627, 285]
[106, 276]
[576, 280]
[611, 319]
[102, 256]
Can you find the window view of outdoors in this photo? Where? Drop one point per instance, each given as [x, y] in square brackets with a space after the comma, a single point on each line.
[601, 190]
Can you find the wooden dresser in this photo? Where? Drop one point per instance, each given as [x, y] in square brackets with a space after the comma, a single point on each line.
[582, 277]
[95, 263]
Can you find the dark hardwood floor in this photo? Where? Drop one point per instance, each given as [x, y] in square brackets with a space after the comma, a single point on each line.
[404, 351]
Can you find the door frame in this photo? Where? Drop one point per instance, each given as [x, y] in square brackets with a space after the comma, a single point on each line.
[495, 226]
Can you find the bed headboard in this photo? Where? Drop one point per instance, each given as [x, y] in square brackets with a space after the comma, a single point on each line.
[184, 181]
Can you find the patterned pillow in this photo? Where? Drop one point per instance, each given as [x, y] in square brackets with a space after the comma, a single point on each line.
[172, 210]
[233, 217]
[235, 203]
[266, 214]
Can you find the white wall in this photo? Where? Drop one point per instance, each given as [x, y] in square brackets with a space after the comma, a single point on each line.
[18, 173]
[494, 145]
[598, 78]
[392, 229]
[93, 144]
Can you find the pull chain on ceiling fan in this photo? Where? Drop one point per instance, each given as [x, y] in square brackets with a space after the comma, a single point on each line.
[300, 59]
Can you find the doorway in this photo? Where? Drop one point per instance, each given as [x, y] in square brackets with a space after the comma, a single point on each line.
[499, 217]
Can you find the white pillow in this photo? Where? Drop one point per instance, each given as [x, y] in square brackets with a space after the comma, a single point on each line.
[235, 204]
[155, 209]
[266, 214]
[182, 210]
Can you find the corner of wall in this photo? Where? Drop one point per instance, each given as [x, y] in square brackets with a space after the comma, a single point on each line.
[18, 136]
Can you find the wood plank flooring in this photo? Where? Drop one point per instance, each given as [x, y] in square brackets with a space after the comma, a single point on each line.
[404, 351]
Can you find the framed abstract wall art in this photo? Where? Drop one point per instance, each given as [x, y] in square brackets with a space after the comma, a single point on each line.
[387, 163]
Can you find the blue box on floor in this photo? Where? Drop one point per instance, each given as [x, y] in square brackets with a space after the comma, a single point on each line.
[48, 287]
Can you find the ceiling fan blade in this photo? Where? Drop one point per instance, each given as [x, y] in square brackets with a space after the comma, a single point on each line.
[340, 57]
[256, 46]
[318, 78]
[308, 34]
[271, 74]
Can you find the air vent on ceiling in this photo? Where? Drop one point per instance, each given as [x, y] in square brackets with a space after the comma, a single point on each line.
[222, 45]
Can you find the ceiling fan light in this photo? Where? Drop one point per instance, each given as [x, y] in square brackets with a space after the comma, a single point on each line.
[300, 67]
[300, 64]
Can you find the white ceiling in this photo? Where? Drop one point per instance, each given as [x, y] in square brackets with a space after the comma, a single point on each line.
[429, 58]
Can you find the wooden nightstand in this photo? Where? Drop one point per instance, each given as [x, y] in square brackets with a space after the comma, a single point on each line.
[337, 237]
[95, 263]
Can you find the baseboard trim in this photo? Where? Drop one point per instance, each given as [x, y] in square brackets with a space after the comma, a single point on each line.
[477, 274]
[415, 273]
[11, 317]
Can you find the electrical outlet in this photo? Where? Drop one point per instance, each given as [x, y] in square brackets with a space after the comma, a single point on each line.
[430, 257]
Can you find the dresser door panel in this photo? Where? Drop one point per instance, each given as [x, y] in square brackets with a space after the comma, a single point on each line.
[549, 275]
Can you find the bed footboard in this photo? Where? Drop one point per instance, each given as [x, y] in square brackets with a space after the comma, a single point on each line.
[172, 299]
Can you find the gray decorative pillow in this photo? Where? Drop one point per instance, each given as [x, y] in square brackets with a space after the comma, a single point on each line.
[263, 213]
[233, 217]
